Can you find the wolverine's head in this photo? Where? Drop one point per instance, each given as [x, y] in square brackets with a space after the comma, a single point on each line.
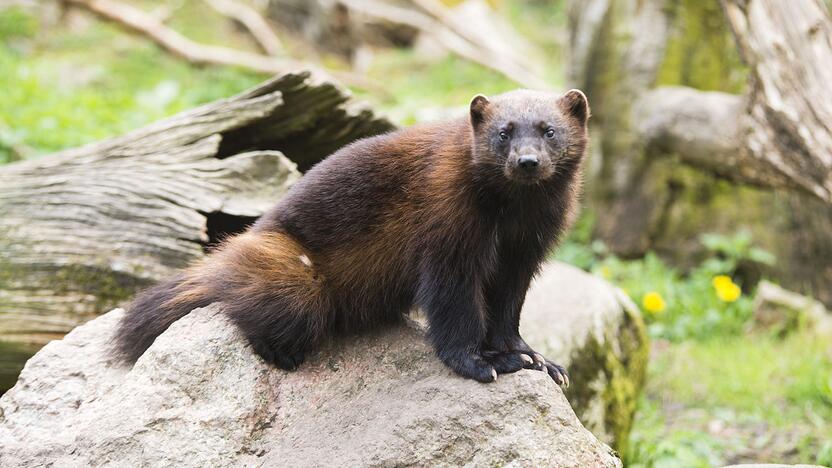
[530, 135]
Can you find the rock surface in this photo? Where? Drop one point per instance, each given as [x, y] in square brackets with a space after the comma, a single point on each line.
[199, 397]
[593, 329]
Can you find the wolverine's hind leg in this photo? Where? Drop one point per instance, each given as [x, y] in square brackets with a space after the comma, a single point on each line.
[275, 296]
[280, 337]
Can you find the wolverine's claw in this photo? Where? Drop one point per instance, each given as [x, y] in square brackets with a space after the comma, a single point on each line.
[556, 376]
[555, 371]
[527, 359]
[494, 374]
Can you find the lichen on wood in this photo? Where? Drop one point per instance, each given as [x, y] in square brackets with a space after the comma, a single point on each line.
[700, 51]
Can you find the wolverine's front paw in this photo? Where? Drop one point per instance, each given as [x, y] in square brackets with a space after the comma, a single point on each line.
[510, 350]
[472, 366]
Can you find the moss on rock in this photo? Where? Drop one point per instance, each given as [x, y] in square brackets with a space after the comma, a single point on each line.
[608, 377]
[626, 370]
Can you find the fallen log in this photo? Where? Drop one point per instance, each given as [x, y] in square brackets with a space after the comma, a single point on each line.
[82, 230]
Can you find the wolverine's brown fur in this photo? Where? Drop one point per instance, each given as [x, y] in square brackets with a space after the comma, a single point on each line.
[453, 216]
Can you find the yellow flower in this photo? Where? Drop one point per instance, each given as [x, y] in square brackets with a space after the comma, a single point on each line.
[605, 271]
[653, 302]
[726, 289]
[720, 281]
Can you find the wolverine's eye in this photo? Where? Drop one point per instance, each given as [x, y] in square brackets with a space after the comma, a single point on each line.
[503, 135]
[550, 133]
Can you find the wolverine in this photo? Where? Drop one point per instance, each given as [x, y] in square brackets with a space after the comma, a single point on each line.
[454, 217]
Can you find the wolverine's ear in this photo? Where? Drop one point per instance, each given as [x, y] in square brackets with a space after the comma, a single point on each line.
[479, 104]
[574, 103]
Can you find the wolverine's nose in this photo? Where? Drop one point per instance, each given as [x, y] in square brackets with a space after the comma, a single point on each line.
[528, 162]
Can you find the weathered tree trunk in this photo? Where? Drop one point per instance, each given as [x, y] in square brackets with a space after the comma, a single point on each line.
[617, 47]
[780, 133]
[81, 230]
[776, 134]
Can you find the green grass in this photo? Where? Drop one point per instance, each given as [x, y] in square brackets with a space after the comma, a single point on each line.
[62, 89]
[763, 374]
[654, 445]
[693, 309]
[734, 399]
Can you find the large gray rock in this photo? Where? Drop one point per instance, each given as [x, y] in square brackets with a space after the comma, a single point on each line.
[200, 397]
[597, 333]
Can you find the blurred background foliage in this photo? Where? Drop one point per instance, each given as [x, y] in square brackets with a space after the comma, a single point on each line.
[718, 390]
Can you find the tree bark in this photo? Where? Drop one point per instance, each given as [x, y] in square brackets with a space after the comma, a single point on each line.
[779, 135]
[616, 49]
[773, 139]
[81, 230]
[788, 120]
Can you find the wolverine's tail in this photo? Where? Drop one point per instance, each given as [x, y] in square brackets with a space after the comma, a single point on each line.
[270, 288]
[155, 309]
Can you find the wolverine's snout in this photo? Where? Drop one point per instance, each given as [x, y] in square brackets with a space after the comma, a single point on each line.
[528, 167]
[528, 162]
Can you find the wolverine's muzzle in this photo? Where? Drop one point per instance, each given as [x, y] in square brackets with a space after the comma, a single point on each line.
[528, 168]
